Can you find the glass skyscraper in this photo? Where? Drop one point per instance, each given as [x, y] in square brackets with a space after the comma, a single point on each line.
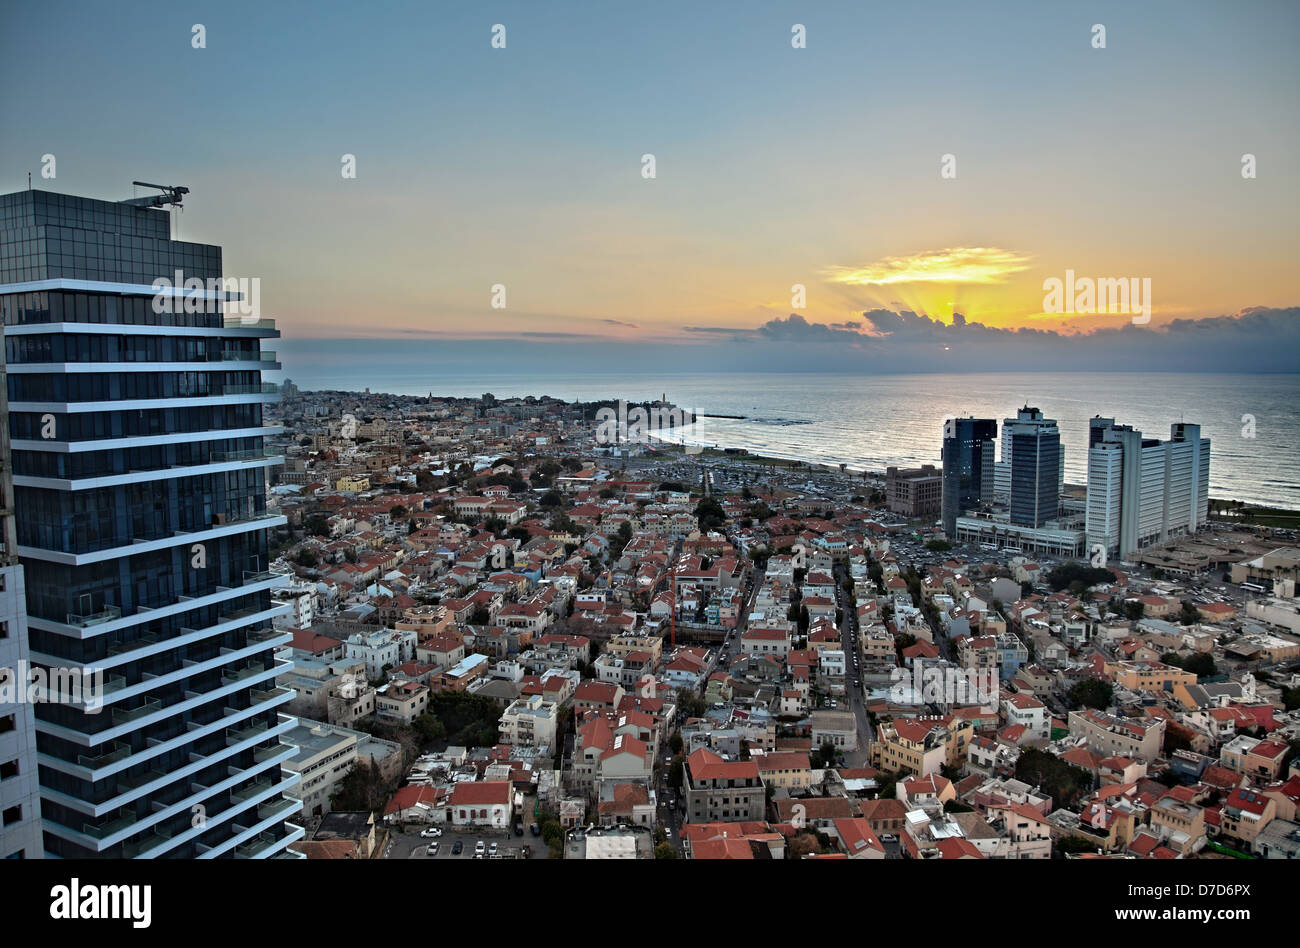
[1036, 462]
[139, 474]
[968, 449]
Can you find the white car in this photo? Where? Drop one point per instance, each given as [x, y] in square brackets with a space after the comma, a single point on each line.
[431, 832]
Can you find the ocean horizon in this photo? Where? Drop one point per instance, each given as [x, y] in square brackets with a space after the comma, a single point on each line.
[868, 422]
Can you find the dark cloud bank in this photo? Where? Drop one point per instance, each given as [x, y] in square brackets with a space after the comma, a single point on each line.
[881, 341]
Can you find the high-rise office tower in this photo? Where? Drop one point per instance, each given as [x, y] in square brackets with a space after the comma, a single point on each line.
[20, 805]
[139, 476]
[968, 449]
[1002, 470]
[1037, 467]
[1143, 491]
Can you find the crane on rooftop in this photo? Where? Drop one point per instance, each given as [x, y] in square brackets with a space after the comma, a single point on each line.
[172, 194]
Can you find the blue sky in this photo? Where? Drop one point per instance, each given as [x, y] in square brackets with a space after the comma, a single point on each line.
[775, 166]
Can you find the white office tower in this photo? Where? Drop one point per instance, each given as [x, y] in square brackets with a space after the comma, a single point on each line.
[1143, 491]
[1002, 470]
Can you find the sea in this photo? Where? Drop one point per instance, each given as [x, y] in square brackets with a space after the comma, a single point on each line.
[868, 422]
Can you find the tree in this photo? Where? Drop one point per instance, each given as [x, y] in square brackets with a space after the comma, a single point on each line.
[689, 704]
[825, 755]
[1188, 615]
[1058, 779]
[1026, 589]
[1092, 693]
[1065, 574]
[552, 498]
[429, 729]
[665, 851]
[362, 788]
[1201, 664]
[1133, 609]
[677, 772]
[710, 514]
[307, 558]
[804, 844]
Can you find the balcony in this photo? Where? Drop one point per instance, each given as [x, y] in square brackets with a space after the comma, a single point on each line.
[282, 807]
[252, 576]
[118, 822]
[118, 751]
[261, 843]
[149, 840]
[121, 648]
[262, 695]
[238, 735]
[127, 783]
[262, 754]
[108, 614]
[126, 715]
[253, 789]
[235, 615]
[266, 388]
[254, 454]
[234, 675]
[258, 636]
[232, 321]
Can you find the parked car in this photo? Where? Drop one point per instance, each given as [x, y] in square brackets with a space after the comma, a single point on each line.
[492, 850]
[519, 829]
[431, 832]
[457, 848]
[431, 849]
[535, 830]
[480, 848]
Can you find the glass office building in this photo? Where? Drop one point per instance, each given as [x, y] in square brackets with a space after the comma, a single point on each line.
[1037, 463]
[139, 473]
[968, 449]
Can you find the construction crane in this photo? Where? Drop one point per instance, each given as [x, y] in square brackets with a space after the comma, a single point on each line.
[172, 194]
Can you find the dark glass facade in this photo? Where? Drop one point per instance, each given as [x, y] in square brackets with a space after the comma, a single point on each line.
[968, 452]
[140, 494]
[1035, 477]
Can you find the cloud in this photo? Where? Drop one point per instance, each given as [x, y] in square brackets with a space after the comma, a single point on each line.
[1256, 339]
[952, 265]
[879, 341]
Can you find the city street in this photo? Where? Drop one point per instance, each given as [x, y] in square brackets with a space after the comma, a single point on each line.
[853, 675]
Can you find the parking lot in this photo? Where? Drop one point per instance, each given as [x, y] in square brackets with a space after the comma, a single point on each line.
[408, 844]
